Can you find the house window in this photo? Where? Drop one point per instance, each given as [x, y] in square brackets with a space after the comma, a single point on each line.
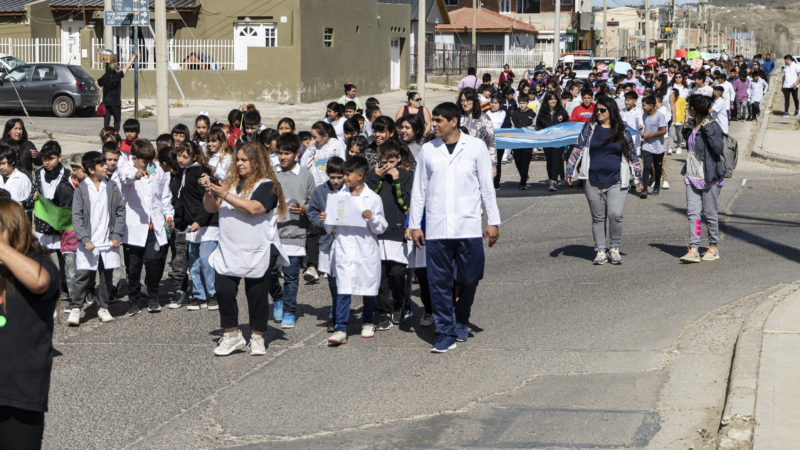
[505, 6]
[450, 2]
[327, 37]
[529, 6]
[271, 35]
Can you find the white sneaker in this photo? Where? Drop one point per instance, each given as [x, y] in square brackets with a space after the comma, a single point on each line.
[600, 258]
[104, 315]
[230, 343]
[256, 345]
[74, 319]
[614, 257]
[678, 151]
[368, 330]
[665, 185]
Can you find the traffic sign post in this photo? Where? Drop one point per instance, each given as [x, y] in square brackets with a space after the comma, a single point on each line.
[125, 19]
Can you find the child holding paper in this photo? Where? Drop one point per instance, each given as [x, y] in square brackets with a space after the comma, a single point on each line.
[355, 256]
[98, 215]
[298, 186]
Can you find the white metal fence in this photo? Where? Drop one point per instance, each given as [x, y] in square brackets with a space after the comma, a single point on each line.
[515, 58]
[36, 50]
[184, 54]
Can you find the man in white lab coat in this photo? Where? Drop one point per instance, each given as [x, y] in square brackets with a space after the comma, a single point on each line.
[453, 178]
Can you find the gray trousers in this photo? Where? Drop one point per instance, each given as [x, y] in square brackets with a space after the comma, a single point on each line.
[606, 202]
[702, 203]
[180, 260]
[83, 278]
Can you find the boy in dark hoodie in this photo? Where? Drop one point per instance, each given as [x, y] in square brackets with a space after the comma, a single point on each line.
[52, 183]
[522, 117]
[316, 217]
[393, 184]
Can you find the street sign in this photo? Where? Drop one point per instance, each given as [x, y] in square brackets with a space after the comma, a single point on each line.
[124, 19]
[129, 6]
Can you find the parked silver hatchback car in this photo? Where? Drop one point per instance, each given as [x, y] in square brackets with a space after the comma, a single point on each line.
[61, 88]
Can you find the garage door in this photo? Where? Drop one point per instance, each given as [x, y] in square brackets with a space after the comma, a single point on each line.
[247, 35]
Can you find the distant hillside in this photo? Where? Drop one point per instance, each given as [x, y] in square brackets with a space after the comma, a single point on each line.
[775, 27]
[742, 3]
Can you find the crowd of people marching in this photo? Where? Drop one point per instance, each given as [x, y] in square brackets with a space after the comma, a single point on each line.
[367, 202]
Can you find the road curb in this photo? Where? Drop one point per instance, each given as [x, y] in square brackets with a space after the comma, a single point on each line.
[757, 150]
[738, 416]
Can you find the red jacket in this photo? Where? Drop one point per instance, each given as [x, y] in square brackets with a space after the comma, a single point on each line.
[582, 113]
[503, 76]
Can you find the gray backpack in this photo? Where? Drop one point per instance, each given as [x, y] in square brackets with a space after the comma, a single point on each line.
[730, 155]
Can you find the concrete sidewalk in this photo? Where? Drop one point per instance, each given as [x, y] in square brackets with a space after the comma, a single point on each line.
[778, 393]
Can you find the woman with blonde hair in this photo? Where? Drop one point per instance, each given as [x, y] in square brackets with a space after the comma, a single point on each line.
[28, 294]
[249, 203]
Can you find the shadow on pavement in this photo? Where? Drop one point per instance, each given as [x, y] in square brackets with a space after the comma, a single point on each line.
[673, 250]
[575, 250]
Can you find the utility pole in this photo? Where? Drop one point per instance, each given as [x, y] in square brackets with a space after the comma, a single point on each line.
[108, 31]
[557, 35]
[136, 63]
[162, 86]
[646, 28]
[474, 35]
[605, 28]
[672, 28]
[421, 44]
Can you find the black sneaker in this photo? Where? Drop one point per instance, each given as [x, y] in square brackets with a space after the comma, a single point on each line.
[331, 326]
[643, 194]
[553, 186]
[213, 304]
[179, 301]
[656, 191]
[134, 307]
[152, 305]
[384, 323]
[194, 305]
[397, 316]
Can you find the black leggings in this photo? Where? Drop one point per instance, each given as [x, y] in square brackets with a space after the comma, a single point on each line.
[113, 111]
[424, 294]
[555, 165]
[393, 281]
[20, 429]
[786, 93]
[500, 153]
[522, 159]
[255, 289]
[654, 162]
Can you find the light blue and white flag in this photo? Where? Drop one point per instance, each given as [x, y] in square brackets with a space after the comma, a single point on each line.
[560, 135]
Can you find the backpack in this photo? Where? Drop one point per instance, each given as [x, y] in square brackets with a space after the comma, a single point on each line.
[730, 155]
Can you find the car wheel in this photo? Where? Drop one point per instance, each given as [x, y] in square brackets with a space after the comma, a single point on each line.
[63, 106]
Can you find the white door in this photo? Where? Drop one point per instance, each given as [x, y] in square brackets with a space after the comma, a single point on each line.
[71, 42]
[251, 35]
[394, 68]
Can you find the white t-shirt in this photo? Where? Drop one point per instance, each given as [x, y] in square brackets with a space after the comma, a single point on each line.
[790, 74]
[708, 91]
[497, 118]
[719, 112]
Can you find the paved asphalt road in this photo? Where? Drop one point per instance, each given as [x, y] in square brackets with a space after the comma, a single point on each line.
[562, 353]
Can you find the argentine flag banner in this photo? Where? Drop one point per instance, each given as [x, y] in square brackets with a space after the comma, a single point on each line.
[560, 135]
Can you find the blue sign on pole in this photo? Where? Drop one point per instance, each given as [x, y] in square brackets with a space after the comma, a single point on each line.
[129, 5]
[124, 19]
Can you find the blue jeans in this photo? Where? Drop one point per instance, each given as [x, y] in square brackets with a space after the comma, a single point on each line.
[202, 272]
[343, 311]
[291, 281]
[453, 263]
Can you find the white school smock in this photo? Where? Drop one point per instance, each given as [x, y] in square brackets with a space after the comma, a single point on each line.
[790, 74]
[51, 242]
[99, 224]
[220, 165]
[315, 159]
[450, 189]
[756, 90]
[243, 248]
[633, 118]
[355, 257]
[18, 186]
[146, 199]
[719, 112]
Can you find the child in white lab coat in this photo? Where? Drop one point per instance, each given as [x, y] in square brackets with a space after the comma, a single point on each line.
[98, 215]
[355, 255]
[148, 216]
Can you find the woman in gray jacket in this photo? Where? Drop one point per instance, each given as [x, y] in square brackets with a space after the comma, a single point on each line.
[704, 174]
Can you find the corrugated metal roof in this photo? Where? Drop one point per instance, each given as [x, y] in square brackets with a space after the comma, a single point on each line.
[10, 6]
[98, 4]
